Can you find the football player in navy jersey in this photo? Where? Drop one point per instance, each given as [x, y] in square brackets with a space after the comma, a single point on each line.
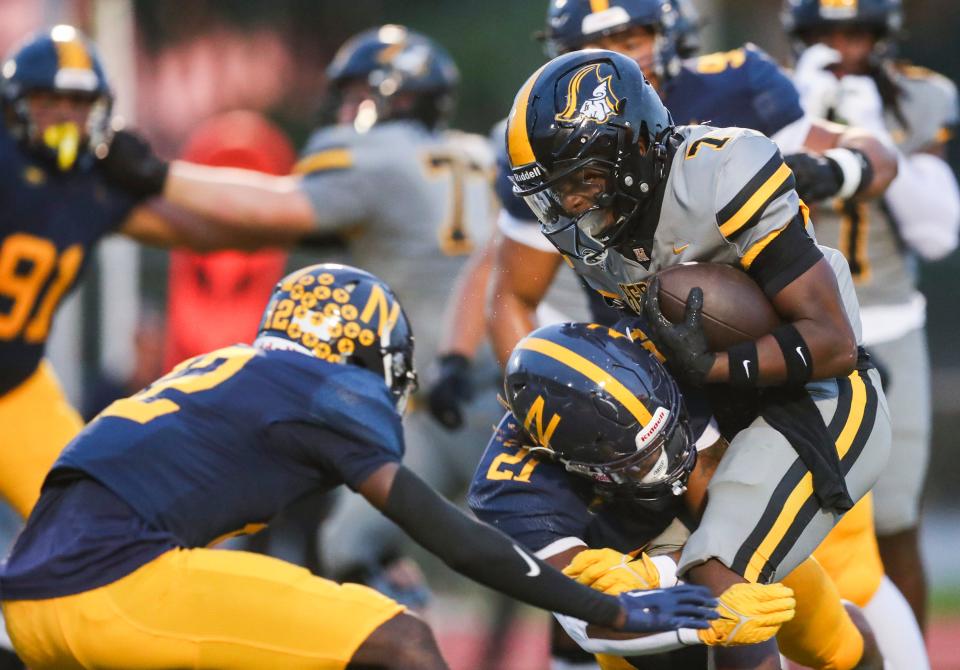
[112, 570]
[55, 205]
[601, 467]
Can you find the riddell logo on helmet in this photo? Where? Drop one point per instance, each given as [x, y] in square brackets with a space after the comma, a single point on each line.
[598, 105]
[653, 428]
[526, 175]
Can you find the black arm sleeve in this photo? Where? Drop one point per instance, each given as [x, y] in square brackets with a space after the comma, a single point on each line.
[791, 253]
[484, 554]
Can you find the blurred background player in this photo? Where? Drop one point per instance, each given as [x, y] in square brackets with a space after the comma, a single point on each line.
[58, 201]
[846, 72]
[601, 454]
[409, 197]
[113, 568]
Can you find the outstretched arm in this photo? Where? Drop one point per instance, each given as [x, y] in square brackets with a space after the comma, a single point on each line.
[480, 552]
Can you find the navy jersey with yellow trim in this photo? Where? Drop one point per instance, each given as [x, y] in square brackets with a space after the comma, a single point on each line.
[49, 222]
[230, 438]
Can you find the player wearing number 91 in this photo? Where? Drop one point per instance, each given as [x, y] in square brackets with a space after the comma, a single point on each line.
[57, 200]
[111, 570]
[408, 197]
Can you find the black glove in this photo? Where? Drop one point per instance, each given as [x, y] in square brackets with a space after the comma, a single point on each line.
[451, 389]
[683, 344]
[818, 177]
[131, 165]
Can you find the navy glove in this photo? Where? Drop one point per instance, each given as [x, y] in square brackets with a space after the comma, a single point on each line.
[131, 165]
[683, 344]
[451, 390]
[683, 606]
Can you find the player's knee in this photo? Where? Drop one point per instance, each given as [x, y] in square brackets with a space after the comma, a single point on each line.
[404, 642]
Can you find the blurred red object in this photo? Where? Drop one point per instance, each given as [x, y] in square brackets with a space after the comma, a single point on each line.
[216, 299]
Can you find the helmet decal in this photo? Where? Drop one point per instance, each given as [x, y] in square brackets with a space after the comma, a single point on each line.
[598, 106]
[591, 371]
[536, 414]
[838, 9]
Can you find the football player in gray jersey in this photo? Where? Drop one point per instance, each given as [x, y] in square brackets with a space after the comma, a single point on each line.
[845, 71]
[409, 197]
[622, 193]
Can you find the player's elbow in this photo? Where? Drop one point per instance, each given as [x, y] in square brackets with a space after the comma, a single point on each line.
[839, 357]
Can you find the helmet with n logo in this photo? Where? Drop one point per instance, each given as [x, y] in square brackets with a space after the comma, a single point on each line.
[61, 61]
[603, 406]
[341, 314]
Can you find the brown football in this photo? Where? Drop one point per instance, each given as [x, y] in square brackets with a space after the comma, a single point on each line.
[735, 309]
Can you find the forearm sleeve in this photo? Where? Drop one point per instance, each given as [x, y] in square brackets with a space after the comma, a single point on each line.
[486, 555]
[925, 203]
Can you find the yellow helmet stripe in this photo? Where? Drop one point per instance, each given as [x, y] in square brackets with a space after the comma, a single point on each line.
[73, 54]
[591, 371]
[518, 141]
[599, 6]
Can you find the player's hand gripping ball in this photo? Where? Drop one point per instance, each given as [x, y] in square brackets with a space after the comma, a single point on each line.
[683, 344]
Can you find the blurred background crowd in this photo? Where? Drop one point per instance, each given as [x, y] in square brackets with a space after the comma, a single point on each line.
[176, 65]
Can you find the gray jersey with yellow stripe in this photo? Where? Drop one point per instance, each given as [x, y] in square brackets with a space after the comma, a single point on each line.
[411, 205]
[728, 195]
[863, 230]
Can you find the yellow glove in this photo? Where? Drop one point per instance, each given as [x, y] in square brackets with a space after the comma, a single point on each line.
[750, 613]
[613, 573]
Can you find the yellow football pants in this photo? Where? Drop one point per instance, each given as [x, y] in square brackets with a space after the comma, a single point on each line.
[201, 608]
[850, 555]
[36, 423]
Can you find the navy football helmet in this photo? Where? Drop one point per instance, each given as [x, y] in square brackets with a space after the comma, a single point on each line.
[687, 28]
[342, 314]
[587, 143]
[61, 61]
[572, 24]
[804, 17]
[392, 60]
[605, 407]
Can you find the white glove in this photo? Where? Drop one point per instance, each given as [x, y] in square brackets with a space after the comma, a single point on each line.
[859, 104]
[818, 86]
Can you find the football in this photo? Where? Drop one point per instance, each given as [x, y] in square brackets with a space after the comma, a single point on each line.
[735, 309]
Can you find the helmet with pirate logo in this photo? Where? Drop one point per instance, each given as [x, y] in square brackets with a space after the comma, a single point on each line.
[341, 314]
[586, 140]
[605, 407]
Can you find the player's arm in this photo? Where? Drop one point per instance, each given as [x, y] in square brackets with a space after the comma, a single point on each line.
[828, 160]
[521, 278]
[482, 553]
[924, 199]
[218, 207]
[759, 213]
[464, 330]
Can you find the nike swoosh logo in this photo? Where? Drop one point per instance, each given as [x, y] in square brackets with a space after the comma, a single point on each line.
[534, 568]
[800, 354]
[679, 250]
[746, 368]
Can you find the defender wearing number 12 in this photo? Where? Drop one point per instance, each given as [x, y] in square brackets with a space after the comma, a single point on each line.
[112, 569]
